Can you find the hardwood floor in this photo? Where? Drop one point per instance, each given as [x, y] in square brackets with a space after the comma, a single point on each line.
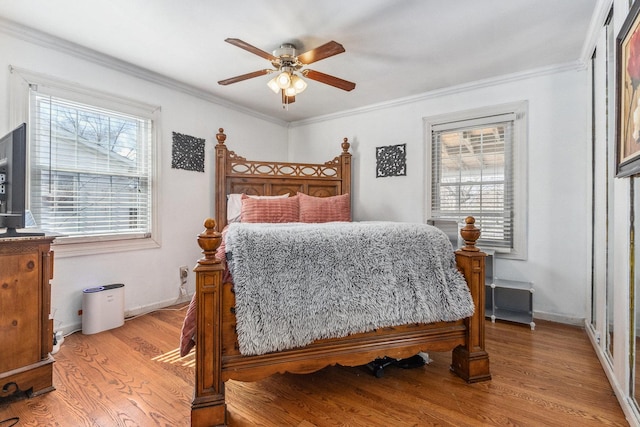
[132, 376]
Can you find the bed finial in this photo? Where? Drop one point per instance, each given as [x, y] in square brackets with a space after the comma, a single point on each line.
[209, 240]
[470, 233]
[220, 136]
[345, 145]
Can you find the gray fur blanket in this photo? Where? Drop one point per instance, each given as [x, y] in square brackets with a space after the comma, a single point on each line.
[296, 283]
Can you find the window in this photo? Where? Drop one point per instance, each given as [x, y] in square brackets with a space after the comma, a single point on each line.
[91, 164]
[477, 169]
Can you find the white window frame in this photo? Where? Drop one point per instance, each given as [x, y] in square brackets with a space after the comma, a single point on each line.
[20, 83]
[520, 144]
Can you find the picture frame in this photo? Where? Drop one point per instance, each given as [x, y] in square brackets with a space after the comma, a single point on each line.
[628, 95]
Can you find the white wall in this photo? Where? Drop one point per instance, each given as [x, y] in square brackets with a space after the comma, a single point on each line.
[186, 199]
[559, 213]
[559, 171]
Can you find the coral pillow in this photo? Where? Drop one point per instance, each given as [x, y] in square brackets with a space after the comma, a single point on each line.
[324, 209]
[234, 204]
[270, 210]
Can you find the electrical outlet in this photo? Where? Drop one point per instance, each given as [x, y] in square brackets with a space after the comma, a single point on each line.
[184, 273]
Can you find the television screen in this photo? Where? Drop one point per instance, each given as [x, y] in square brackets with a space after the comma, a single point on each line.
[13, 182]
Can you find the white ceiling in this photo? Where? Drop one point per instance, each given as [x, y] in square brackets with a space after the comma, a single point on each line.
[394, 48]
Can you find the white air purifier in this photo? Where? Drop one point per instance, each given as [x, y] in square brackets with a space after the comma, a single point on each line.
[102, 308]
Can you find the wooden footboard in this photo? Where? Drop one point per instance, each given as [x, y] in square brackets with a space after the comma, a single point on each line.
[217, 359]
[217, 355]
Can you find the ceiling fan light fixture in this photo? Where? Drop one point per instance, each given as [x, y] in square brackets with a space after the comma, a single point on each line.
[273, 85]
[283, 80]
[298, 83]
[290, 91]
[287, 64]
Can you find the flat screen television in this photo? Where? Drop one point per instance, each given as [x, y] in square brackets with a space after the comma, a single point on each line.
[13, 183]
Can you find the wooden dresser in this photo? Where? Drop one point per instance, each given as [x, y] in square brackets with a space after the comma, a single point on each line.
[26, 329]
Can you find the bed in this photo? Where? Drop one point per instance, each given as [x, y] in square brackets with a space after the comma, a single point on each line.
[213, 308]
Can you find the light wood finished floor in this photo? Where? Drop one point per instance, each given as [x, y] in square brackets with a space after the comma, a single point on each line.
[131, 376]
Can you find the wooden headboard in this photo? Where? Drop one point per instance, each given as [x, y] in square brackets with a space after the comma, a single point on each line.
[235, 174]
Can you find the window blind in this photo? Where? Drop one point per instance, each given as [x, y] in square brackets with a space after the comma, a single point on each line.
[472, 174]
[90, 169]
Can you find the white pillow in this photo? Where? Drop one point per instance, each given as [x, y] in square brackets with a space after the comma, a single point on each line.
[234, 205]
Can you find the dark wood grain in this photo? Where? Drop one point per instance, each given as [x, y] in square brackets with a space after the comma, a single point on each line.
[132, 376]
[26, 331]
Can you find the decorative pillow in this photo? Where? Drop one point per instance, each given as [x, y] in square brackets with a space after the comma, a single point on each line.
[270, 210]
[220, 252]
[234, 205]
[188, 331]
[324, 209]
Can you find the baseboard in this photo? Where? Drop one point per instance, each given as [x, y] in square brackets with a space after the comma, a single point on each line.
[558, 318]
[69, 329]
[132, 312]
[144, 309]
[630, 412]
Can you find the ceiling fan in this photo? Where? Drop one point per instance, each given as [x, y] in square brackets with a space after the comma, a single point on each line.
[287, 63]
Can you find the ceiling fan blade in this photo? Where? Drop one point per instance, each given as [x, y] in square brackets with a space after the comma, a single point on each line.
[247, 76]
[329, 80]
[321, 52]
[250, 48]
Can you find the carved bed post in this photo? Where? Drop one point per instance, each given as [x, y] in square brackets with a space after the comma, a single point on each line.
[471, 362]
[345, 169]
[345, 166]
[208, 407]
[221, 172]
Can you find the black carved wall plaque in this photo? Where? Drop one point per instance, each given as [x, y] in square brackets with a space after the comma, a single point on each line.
[187, 152]
[391, 160]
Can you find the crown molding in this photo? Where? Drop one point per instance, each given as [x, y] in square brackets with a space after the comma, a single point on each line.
[598, 18]
[451, 90]
[40, 38]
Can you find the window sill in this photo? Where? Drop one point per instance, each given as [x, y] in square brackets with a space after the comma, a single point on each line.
[71, 249]
[503, 253]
